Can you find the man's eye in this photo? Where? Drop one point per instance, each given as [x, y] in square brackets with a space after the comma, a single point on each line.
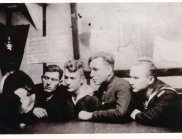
[66, 77]
[135, 77]
[94, 69]
[54, 80]
[46, 78]
[72, 78]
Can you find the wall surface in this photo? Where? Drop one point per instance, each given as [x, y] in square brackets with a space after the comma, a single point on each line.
[132, 30]
[128, 30]
[58, 24]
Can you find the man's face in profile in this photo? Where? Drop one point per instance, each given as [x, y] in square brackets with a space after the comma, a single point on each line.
[50, 81]
[27, 101]
[100, 71]
[140, 78]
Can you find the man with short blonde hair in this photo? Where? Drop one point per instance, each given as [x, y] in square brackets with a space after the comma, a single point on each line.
[114, 93]
[155, 103]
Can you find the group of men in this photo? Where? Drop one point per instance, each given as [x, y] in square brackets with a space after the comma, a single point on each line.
[67, 94]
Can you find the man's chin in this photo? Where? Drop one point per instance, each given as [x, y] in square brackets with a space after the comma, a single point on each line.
[135, 91]
[48, 90]
[70, 90]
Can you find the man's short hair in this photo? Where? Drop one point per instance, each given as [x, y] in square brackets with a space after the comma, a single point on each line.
[74, 66]
[107, 57]
[54, 68]
[149, 64]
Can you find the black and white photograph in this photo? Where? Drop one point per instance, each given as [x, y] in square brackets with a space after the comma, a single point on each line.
[90, 68]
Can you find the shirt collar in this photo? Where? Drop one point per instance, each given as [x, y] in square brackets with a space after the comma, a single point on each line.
[84, 90]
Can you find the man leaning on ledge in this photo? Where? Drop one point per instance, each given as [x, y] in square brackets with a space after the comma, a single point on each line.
[114, 93]
[155, 102]
[49, 104]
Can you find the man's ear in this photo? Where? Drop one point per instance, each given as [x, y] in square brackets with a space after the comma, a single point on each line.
[110, 70]
[42, 78]
[60, 82]
[83, 80]
[151, 80]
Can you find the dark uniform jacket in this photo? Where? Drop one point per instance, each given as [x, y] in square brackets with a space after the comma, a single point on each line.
[115, 101]
[55, 107]
[162, 108]
[86, 103]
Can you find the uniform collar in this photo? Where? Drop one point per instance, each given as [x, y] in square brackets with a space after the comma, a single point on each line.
[105, 85]
[158, 84]
[108, 82]
[84, 90]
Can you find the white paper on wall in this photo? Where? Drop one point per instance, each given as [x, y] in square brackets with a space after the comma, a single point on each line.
[49, 49]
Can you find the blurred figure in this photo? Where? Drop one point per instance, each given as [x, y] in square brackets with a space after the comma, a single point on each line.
[17, 99]
[155, 103]
[114, 93]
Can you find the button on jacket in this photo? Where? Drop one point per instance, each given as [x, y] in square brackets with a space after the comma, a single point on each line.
[115, 101]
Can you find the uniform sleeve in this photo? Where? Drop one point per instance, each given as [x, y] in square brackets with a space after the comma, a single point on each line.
[153, 115]
[121, 108]
[39, 102]
[91, 103]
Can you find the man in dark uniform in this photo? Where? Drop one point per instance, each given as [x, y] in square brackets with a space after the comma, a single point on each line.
[155, 103]
[114, 93]
[78, 91]
[49, 103]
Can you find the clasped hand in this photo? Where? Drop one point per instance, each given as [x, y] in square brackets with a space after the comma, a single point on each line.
[40, 112]
[134, 113]
[84, 115]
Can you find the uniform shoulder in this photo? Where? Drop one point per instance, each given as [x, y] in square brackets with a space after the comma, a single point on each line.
[166, 89]
[121, 82]
[38, 85]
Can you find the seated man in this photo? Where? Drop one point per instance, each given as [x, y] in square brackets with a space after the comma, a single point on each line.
[114, 93]
[155, 103]
[17, 99]
[48, 105]
[78, 91]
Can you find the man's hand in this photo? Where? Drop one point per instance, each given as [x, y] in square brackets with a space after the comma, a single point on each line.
[84, 115]
[40, 112]
[134, 113]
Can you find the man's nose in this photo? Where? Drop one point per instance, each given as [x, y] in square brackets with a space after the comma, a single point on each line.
[68, 81]
[91, 73]
[131, 81]
[48, 81]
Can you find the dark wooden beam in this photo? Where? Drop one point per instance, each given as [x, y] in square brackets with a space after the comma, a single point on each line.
[160, 72]
[74, 26]
[44, 6]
